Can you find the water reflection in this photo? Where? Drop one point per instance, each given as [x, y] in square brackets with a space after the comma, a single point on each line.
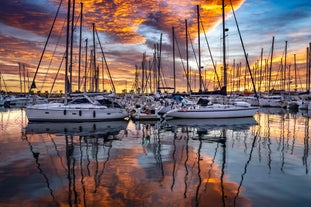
[207, 132]
[240, 162]
[82, 129]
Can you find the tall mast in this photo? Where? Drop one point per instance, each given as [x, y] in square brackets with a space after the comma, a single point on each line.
[224, 47]
[80, 42]
[85, 65]
[67, 52]
[260, 74]
[71, 45]
[94, 61]
[174, 69]
[270, 69]
[309, 68]
[187, 57]
[159, 62]
[199, 49]
[295, 72]
[285, 65]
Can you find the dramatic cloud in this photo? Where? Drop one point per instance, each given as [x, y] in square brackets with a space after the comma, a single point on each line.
[129, 28]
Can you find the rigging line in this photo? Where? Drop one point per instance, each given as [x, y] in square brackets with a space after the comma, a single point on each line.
[246, 57]
[245, 168]
[52, 87]
[53, 55]
[41, 171]
[5, 86]
[210, 53]
[33, 85]
[51, 59]
[162, 79]
[195, 57]
[101, 48]
[183, 65]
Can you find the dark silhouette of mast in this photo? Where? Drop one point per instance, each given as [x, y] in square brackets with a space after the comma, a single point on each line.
[199, 50]
[187, 58]
[270, 69]
[224, 48]
[80, 42]
[67, 52]
[174, 69]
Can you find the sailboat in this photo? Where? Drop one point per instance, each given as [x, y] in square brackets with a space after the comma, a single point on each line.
[204, 109]
[79, 109]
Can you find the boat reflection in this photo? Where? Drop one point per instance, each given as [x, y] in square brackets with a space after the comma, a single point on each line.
[236, 124]
[173, 162]
[203, 136]
[81, 156]
[77, 128]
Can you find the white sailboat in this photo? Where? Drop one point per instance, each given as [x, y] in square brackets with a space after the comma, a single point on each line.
[213, 111]
[77, 110]
[206, 110]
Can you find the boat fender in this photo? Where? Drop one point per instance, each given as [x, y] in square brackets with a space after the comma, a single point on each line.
[80, 113]
[184, 108]
[94, 114]
[65, 112]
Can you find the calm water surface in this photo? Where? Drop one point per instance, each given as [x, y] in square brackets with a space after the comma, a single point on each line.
[260, 161]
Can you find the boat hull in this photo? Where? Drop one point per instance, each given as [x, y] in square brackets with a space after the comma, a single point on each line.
[213, 113]
[70, 113]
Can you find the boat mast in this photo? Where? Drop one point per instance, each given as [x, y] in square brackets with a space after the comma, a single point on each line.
[224, 47]
[80, 42]
[85, 65]
[260, 76]
[199, 50]
[295, 72]
[270, 69]
[285, 68]
[309, 68]
[187, 57]
[94, 78]
[159, 51]
[71, 45]
[67, 52]
[174, 69]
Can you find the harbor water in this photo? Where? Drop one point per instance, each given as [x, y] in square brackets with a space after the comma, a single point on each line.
[260, 161]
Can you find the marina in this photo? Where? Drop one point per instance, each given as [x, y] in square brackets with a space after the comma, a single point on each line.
[119, 104]
[256, 161]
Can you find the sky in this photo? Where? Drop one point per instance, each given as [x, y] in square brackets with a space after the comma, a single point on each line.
[128, 29]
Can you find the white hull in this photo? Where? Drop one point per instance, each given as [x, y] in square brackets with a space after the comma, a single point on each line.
[73, 112]
[143, 116]
[213, 112]
[23, 101]
[273, 101]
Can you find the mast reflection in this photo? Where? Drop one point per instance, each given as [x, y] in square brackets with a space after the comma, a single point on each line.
[207, 132]
[87, 151]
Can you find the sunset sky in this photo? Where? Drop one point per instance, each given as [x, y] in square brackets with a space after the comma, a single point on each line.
[129, 28]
